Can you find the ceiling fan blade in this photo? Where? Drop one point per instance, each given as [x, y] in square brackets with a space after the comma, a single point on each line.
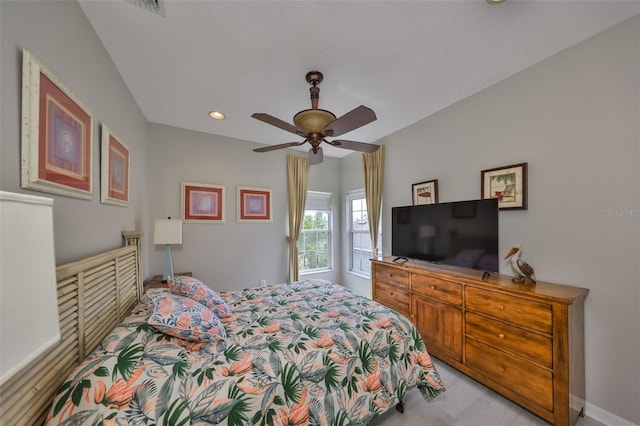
[270, 119]
[315, 157]
[356, 146]
[355, 118]
[280, 146]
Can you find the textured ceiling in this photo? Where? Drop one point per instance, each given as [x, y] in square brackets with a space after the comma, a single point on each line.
[404, 59]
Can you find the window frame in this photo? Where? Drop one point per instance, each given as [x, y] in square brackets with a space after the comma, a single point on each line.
[329, 232]
[359, 194]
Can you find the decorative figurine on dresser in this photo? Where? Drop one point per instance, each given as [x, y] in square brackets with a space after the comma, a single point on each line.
[522, 269]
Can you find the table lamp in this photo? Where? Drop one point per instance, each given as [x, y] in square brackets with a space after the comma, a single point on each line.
[167, 232]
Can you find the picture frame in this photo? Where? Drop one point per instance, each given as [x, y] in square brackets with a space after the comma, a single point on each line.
[57, 147]
[202, 203]
[508, 184]
[253, 204]
[425, 192]
[115, 169]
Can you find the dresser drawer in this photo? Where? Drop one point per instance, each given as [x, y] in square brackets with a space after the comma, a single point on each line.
[392, 276]
[445, 291]
[536, 347]
[529, 381]
[534, 315]
[393, 297]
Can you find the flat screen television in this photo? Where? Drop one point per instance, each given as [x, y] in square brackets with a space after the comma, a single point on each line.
[461, 233]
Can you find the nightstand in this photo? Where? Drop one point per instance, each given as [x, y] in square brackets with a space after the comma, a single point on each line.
[156, 282]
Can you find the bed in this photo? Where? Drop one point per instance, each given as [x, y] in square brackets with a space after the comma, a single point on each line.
[309, 352]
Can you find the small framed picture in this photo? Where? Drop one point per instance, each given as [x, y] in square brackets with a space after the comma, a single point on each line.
[425, 192]
[202, 203]
[254, 204]
[56, 135]
[115, 170]
[508, 184]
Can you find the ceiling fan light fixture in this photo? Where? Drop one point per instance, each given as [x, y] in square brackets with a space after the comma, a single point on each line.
[313, 120]
[216, 115]
[315, 124]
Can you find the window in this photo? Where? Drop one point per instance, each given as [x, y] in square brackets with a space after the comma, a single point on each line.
[360, 237]
[314, 244]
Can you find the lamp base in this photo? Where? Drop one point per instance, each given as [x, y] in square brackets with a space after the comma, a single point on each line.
[168, 264]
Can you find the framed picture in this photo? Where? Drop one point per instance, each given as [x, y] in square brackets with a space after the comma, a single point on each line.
[254, 204]
[56, 135]
[508, 184]
[202, 203]
[115, 170]
[425, 192]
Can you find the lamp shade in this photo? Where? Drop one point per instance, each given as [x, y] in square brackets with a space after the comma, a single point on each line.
[167, 231]
[28, 290]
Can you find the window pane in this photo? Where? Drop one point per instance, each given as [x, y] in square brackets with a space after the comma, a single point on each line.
[314, 244]
[362, 242]
[361, 262]
[361, 249]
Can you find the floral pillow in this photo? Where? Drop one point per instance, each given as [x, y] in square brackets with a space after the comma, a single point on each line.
[185, 318]
[200, 292]
[150, 296]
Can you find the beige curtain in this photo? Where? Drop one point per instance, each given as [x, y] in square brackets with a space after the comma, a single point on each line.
[373, 165]
[297, 184]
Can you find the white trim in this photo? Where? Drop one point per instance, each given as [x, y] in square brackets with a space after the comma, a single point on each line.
[604, 416]
[24, 198]
[26, 361]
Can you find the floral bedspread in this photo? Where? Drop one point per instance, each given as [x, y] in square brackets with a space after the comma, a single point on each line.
[309, 352]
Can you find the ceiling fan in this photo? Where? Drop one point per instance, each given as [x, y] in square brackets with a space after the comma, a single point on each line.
[315, 124]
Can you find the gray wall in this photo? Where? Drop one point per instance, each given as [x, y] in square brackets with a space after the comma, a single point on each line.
[59, 35]
[575, 119]
[230, 255]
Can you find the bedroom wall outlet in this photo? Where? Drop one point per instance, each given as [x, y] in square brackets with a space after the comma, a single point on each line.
[263, 283]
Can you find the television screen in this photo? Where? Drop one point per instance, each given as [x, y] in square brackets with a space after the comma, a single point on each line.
[462, 233]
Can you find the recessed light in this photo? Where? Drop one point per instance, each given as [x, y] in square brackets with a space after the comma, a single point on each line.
[216, 115]
[495, 1]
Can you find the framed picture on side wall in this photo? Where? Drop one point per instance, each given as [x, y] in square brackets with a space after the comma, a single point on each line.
[425, 192]
[253, 204]
[56, 135]
[508, 184]
[202, 203]
[115, 170]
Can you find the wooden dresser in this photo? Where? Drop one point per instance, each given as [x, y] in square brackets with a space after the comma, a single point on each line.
[524, 341]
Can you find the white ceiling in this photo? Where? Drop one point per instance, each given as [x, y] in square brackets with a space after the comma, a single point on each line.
[403, 59]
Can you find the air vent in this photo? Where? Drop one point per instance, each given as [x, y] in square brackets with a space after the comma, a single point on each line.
[155, 6]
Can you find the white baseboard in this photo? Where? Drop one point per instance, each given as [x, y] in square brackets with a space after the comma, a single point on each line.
[604, 416]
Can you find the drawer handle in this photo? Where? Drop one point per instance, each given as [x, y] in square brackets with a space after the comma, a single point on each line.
[502, 369]
[390, 293]
[433, 287]
[501, 335]
[501, 307]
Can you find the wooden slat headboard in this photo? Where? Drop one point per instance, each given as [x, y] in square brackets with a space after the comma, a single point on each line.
[94, 294]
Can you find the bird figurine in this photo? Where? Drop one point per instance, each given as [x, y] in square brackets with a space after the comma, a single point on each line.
[522, 269]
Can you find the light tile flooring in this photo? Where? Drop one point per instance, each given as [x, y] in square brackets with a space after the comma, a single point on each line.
[465, 403]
